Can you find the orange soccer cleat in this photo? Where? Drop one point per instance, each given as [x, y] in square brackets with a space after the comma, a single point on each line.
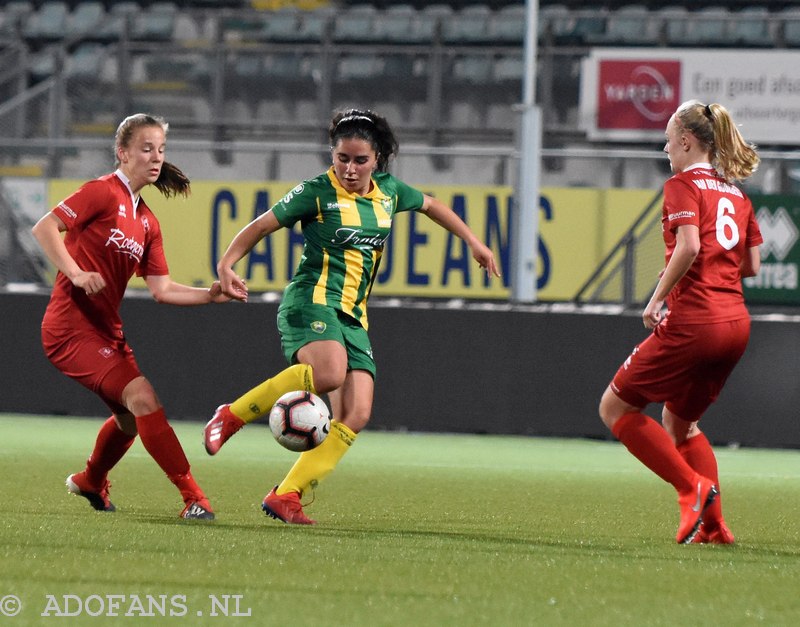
[220, 428]
[717, 534]
[97, 496]
[693, 504]
[285, 507]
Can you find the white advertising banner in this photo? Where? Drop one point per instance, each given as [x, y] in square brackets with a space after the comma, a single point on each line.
[629, 93]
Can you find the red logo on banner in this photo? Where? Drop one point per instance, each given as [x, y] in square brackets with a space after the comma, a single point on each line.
[637, 94]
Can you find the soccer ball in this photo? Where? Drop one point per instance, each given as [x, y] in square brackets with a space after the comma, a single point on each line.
[300, 421]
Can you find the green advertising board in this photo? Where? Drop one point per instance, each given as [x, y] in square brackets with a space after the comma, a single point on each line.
[777, 282]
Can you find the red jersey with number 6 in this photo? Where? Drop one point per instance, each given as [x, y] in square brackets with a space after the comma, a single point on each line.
[711, 291]
[106, 233]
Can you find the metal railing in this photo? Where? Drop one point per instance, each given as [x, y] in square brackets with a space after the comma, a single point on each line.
[629, 272]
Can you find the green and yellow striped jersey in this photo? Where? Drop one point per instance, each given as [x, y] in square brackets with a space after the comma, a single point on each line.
[344, 236]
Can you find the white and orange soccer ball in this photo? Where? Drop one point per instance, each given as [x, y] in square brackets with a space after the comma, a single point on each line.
[300, 421]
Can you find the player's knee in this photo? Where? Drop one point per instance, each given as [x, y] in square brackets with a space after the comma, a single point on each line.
[604, 410]
[329, 379]
[140, 397]
[355, 419]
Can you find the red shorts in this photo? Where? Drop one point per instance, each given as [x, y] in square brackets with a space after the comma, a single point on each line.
[684, 366]
[103, 365]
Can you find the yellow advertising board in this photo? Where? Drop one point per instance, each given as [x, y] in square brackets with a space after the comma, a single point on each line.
[577, 228]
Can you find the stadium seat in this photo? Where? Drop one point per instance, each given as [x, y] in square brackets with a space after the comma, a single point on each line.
[359, 67]
[138, 70]
[585, 27]
[306, 112]
[120, 16]
[177, 71]
[288, 74]
[509, 68]
[248, 66]
[751, 28]
[226, 4]
[18, 9]
[243, 26]
[508, 24]
[202, 113]
[284, 65]
[468, 26]
[673, 21]
[630, 25]
[8, 25]
[707, 26]
[157, 22]
[396, 113]
[86, 62]
[84, 19]
[280, 25]
[109, 70]
[400, 24]
[790, 22]
[465, 115]
[314, 25]
[356, 25]
[273, 112]
[48, 23]
[474, 69]
[42, 65]
[400, 67]
[502, 116]
[554, 21]
[236, 111]
[435, 16]
[187, 30]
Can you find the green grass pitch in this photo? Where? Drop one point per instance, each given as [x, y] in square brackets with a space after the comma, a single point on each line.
[413, 530]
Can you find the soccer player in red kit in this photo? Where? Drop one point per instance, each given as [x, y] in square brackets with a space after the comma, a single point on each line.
[111, 234]
[712, 239]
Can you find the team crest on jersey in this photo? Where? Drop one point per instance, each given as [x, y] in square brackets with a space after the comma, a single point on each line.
[145, 224]
[318, 326]
[122, 212]
[106, 352]
[297, 189]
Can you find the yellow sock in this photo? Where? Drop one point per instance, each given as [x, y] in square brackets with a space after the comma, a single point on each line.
[316, 464]
[258, 401]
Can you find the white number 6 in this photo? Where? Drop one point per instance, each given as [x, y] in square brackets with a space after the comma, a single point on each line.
[724, 219]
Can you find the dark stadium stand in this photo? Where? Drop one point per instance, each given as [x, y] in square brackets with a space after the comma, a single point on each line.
[455, 69]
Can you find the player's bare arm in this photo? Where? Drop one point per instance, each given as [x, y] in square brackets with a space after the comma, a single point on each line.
[167, 291]
[244, 241]
[751, 262]
[47, 232]
[686, 250]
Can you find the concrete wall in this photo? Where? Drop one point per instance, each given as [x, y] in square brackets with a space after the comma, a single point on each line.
[439, 369]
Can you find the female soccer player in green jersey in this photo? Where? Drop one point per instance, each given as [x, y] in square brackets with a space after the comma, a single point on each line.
[346, 215]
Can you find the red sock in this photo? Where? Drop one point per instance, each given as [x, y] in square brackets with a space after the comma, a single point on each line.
[700, 456]
[650, 444]
[111, 445]
[163, 445]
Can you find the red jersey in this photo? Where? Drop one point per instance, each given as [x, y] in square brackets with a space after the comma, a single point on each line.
[105, 234]
[711, 290]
